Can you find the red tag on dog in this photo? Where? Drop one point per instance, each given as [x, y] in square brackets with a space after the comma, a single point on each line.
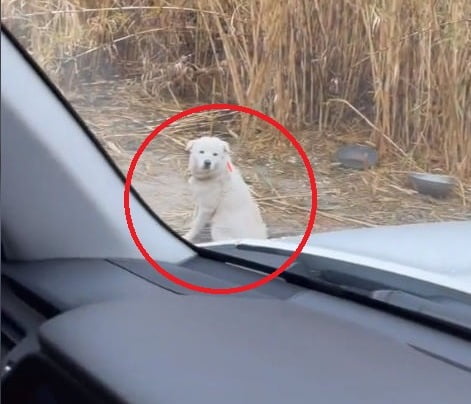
[229, 166]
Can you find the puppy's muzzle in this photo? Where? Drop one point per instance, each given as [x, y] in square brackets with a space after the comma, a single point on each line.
[207, 164]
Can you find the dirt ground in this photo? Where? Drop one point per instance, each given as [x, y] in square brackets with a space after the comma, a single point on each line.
[122, 117]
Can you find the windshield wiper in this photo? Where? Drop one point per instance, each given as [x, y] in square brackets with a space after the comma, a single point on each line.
[360, 283]
[268, 260]
[443, 309]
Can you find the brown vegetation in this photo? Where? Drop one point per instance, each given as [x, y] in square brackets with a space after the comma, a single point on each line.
[400, 68]
[394, 73]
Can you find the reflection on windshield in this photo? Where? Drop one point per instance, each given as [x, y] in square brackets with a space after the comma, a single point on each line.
[372, 93]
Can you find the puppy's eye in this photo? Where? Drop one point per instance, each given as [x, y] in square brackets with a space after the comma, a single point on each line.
[215, 154]
[201, 151]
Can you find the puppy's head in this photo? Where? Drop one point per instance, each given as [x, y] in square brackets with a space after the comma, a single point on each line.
[208, 156]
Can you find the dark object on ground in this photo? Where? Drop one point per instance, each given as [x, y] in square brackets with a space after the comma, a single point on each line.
[438, 186]
[359, 157]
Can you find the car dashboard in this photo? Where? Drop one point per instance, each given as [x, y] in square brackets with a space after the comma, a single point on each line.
[117, 331]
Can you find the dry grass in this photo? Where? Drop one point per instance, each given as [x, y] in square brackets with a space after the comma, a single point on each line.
[346, 198]
[400, 68]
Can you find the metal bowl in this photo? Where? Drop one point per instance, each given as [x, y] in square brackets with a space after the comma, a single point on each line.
[359, 157]
[436, 185]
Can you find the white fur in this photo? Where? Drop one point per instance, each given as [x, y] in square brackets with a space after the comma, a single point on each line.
[222, 197]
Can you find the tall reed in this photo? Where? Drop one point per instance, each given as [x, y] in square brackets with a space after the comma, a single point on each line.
[400, 67]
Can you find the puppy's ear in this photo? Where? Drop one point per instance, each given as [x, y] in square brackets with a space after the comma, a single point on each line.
[189, 145]
[227, 148]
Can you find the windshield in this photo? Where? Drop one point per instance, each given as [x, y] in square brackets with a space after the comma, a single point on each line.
[377, 94]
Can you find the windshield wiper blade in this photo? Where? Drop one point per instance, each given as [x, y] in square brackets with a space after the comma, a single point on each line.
[263, 249]
[359, 283]
[444, 309]
[268, 260]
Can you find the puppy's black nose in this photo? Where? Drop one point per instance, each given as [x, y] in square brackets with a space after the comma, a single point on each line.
[207, 163]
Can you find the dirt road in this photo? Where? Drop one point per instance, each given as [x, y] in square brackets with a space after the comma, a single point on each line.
[346, 199]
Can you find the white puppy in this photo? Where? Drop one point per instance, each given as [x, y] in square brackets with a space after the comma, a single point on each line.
[222, 197]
